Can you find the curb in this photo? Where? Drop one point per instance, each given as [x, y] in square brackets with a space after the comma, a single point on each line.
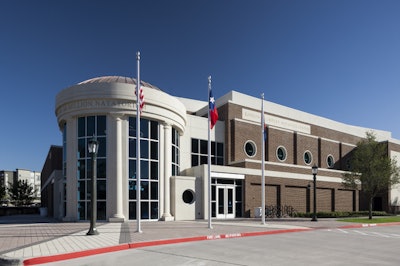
[367, 225]
[85, 253]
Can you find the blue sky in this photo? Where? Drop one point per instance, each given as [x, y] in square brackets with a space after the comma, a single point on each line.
[339, 59]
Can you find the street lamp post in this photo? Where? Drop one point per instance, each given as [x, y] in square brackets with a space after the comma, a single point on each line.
[93, 147]
[314, 172]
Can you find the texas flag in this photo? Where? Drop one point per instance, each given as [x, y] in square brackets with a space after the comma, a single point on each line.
[213, 110]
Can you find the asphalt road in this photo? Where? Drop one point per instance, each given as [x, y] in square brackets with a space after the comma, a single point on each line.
[361, 246]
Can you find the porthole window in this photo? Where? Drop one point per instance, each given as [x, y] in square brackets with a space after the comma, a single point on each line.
[281, 153]
[188, 196]
[308, 157]
[250, 148]
[330, 161]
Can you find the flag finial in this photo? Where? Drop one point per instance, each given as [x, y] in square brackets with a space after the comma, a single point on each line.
[138, 55]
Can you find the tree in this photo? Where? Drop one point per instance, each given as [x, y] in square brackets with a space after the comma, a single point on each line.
[3, 193]
[371, 165]
[21, 193]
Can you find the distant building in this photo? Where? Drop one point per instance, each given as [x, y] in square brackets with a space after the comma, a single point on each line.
[31, 177]
[174, 133]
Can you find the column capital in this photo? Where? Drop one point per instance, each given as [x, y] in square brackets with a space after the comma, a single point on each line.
[118, 116]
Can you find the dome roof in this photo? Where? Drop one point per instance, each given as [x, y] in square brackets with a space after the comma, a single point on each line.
[117, 79]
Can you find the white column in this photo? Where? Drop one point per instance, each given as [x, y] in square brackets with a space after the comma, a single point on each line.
[161, 176]
[118, 216]
[167, 143]
[71, 180]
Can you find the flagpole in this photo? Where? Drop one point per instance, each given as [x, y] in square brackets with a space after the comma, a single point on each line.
[138, 187]
[262, 160]
[209, 155]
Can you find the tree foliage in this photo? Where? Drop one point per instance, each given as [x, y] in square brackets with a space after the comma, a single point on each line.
[3, 192]
[371, 165]
[21, 193]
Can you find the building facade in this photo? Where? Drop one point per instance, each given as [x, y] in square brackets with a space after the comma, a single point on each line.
[52, 191]
[173, 158]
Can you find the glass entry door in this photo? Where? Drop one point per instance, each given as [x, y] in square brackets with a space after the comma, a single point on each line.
[225, 201]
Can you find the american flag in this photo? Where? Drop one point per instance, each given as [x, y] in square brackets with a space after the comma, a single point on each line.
[141, 99]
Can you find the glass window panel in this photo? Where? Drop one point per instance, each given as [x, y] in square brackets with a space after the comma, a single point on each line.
[132, 126]
[81, 127]
[101, 125]
[173, 155]
[195, 146]
[154, 150]
[203, 147]
[101, 210]
[145, 210]
[213, 189]
[101, 168]
[144, 169]
[220, 149]
[213, 146]
[82, 148]
[81, 210]
[90, 126]
[132, 210]
[238, 209]
[154, 170]
[101, 189]
[220, 161]
[203, 159]
[195, 160]
[132, 148]
[132, 169]
[154, 130]
[154, 190]
[144, 190]
[81, 169]
[144, 149]
[132, 189]
[213, 209]
[102, 147]
[144, 128]
[212, 160]
[81, 190]
[238, 193]
[154, 210]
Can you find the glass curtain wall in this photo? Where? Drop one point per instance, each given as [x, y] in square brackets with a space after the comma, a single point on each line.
[175, 152]
[89, 127]
[200, 152]
[149, 168]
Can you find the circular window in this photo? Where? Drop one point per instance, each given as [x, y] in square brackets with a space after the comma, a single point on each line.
[330, 161]
[188, 196]
[281, 153]
[307, 157]
[250, 148]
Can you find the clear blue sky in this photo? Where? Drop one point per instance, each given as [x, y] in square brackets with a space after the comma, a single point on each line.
[339, 59]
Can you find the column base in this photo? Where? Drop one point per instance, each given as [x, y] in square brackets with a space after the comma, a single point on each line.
[116, 219]
[167, 217]
[69, 219]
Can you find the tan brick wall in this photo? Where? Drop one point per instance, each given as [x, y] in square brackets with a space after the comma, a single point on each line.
[343, 200]
[286, 191]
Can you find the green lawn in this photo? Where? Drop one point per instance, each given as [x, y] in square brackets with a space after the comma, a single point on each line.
[374, 220]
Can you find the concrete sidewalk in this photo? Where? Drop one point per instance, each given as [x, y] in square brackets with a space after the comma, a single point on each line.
[32, 239]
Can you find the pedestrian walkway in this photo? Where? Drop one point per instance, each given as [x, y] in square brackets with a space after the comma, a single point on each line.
[32, 239]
